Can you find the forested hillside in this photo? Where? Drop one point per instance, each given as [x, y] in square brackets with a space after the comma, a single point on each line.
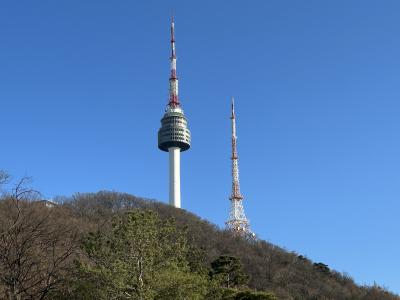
[110, 245]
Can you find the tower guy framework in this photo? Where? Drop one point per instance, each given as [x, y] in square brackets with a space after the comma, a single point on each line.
[174, 135]
[237, 221]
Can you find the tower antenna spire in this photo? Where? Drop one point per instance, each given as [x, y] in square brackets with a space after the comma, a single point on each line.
[237, 222]
[173, 80]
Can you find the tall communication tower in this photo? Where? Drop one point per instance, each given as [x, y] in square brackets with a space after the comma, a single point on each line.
[174, 135]
[237, 222]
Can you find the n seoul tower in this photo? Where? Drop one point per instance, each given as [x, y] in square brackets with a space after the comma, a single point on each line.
[237, 222]
[174, 135]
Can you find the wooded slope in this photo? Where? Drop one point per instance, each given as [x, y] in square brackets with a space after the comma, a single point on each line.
[271, 268]
[42, 252]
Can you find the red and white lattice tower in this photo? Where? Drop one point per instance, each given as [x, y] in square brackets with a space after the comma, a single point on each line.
[237, 222]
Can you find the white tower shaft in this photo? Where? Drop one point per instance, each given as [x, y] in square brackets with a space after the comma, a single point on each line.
[175, 176]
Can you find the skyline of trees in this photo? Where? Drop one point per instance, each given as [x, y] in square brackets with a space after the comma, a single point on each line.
[110, 245]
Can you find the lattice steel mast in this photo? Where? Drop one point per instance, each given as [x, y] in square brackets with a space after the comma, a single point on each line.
[237, 221]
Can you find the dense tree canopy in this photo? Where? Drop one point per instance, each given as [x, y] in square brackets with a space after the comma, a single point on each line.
[142, 257]
[228, 271]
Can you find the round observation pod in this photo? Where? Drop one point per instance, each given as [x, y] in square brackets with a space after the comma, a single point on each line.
[174, 131]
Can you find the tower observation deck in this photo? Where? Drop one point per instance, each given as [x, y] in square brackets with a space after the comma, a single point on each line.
[174, 135]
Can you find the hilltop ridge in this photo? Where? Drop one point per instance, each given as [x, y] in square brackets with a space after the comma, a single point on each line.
[42, 246]
[271, 268]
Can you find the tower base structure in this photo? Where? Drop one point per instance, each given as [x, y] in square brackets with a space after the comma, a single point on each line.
[237, 222]
[175, 176]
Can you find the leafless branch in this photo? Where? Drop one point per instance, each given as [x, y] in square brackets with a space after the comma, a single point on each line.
[4, 177]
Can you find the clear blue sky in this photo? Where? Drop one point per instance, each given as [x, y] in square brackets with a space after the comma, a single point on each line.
[83, 85]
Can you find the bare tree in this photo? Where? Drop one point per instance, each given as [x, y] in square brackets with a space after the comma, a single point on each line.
[36, 244]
